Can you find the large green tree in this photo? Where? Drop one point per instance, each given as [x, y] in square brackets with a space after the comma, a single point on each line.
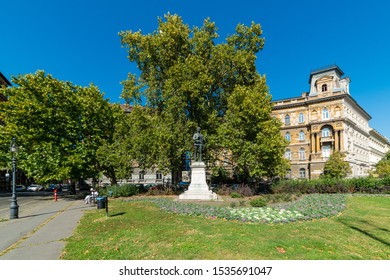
[383, 166]
[59, 126]
[186, 80]
[336, 166]
[252, 135]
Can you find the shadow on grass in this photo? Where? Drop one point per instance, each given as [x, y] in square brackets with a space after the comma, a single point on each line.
[365, 232]
[382, 229]
[117, 214]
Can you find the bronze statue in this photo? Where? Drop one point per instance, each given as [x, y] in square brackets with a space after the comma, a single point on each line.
[198, 143]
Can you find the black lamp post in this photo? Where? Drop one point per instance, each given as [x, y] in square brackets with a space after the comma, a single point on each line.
[14, 208]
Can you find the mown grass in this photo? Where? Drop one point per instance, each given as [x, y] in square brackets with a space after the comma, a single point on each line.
[141, 231]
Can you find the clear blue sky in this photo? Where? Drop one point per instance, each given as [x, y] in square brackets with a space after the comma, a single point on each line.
[78, 41]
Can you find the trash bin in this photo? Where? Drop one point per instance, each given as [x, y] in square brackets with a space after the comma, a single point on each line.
[101, 202]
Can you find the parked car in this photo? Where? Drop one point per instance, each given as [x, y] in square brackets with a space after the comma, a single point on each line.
[66, 188]
[35, 188]
[52, 187]
[20, 188]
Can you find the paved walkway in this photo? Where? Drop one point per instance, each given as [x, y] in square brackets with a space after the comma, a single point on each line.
[39, 232]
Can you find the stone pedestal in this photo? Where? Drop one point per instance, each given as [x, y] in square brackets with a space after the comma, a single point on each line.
[198, 188]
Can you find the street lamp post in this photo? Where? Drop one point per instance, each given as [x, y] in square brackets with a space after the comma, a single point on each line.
[14, 208]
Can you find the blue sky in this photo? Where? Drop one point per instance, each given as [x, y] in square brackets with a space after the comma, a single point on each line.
[78, 41]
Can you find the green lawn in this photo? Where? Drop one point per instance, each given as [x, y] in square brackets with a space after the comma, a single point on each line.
[141, 231]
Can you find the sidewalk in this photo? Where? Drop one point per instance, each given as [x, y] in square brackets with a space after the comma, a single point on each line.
[39, 233]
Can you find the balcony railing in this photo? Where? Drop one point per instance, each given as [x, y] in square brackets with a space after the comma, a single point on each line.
[327, 139]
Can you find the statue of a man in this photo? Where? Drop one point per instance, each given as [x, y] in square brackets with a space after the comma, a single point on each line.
[198, 143]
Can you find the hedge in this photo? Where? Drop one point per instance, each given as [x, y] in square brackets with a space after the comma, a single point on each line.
[328, 185]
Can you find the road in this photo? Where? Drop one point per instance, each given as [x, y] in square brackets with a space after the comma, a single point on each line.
[25, 201]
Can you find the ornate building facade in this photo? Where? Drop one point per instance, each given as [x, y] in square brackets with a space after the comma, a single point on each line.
[326, 119]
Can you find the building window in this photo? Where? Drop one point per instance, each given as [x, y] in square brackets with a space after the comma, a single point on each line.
[158, 175]
[301, 136]
[325, 114]
[326, 132]
[301, 118]
[287, 154]
[287, 120]
[141, 175]
[302, 173]
[287, 136]
[326, 151]
[324, 88]
[302, 154]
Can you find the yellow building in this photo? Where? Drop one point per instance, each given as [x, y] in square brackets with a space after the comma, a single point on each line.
[326, 119]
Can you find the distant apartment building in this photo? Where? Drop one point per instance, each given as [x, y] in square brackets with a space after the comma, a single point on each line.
[324, 120]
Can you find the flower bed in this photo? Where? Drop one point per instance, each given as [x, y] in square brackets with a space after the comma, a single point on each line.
[309, 207]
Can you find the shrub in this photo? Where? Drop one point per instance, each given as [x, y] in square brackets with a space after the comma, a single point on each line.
[332, 185]
[121, 190]
[224, 190]
[235, 195]
[258, 202]
[245, 191]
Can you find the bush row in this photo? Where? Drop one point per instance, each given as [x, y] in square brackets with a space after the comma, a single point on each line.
[327, 185]
[120, 190]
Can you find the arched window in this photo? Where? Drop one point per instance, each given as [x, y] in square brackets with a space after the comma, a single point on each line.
[287, 120]
[287, 154]
[301, 118]
[325, 114]
[302, 173]
[325, 132]
[301, 135]
[287, 136]
[324, 88]
[302, 154]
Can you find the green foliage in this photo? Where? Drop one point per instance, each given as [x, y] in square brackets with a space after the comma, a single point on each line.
[58, 125]
[251, 134]
[333, 185]
[383, 166]
[235, 195]
[258, 202]
[125, 190]
[336, 167]
[187, 80]
[114, 154]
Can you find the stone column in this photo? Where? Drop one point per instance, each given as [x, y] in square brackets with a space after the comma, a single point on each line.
[313, 141]
[341, 140]
[336, 140]
[318, 149]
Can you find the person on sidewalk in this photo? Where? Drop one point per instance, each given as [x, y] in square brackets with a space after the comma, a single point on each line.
[91, 198]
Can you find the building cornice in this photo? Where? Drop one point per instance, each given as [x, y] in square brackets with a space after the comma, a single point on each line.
[3, 80]
[376, 134]
[310, 100]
